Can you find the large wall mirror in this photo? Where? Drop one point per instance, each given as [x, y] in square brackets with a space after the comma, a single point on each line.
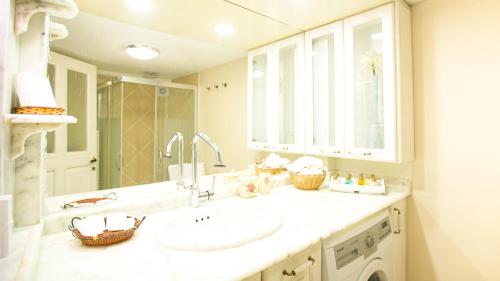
[128, 69]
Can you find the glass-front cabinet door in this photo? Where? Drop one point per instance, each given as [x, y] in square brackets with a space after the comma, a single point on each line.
[325, 90]
[259, 126]
[288, 93]
[370, 85]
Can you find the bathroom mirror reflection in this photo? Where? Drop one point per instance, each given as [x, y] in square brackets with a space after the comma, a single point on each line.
[129, 74]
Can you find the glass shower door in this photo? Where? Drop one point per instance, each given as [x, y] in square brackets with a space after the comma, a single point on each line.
[175, 112]
[109, 108]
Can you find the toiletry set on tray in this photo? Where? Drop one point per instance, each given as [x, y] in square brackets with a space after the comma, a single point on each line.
[100, 230]
[361, 184]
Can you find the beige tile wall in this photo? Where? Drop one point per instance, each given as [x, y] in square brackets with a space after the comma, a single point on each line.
[138, 134]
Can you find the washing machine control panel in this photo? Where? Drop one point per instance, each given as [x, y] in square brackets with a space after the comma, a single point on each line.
[363, 244]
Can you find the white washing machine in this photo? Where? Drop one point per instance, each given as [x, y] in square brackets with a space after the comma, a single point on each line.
[363, 253]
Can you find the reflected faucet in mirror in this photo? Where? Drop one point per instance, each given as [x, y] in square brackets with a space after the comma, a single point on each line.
[195, 190]
[180, 148]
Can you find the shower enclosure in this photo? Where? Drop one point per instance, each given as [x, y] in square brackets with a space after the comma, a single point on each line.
[135, 119]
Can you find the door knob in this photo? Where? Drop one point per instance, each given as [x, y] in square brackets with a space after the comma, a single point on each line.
[93, 160]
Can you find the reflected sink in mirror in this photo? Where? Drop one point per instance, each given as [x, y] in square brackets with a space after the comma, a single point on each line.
[218, 226]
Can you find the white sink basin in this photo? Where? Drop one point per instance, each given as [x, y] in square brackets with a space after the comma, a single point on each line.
[219, 226]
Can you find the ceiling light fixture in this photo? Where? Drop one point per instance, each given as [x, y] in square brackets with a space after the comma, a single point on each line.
[224, 29]
[140, 5]
[142, 52]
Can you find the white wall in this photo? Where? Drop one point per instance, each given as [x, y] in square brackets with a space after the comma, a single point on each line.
[454, 213]
[222, 115]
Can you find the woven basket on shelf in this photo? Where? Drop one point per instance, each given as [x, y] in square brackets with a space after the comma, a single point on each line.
[110, 196]
[39, 110]
[272, 171]
[307, 182]
[107, 237]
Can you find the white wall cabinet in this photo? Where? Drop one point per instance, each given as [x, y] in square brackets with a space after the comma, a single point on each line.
[371, 85]
[275, 96]
[325, 90]
[357, 99]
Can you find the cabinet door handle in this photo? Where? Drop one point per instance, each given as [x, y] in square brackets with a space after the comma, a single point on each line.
[310, 261]
[398, 212]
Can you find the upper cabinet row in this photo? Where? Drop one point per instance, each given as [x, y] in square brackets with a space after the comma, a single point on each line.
[342, 90]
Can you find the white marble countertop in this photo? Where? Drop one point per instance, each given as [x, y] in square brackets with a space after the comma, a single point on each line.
[23, 256]
[309, 217]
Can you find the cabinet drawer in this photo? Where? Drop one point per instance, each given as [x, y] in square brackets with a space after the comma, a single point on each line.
[304, 266]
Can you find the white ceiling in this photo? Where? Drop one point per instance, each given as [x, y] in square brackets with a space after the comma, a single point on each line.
[183, 30]
[101, 41]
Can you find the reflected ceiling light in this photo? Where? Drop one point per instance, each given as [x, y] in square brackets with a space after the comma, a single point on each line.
[377, 36]
[224, 29]
[142, 52]
[140, 5]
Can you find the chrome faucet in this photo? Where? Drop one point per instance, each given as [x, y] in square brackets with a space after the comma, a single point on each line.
[195, 189]
[177, 137]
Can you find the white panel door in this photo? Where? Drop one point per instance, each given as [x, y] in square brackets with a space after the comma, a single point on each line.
[288, 94]
[370, 85]
[71, 150]
[325, 90]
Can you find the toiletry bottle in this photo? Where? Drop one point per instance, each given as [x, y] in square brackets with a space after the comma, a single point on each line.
[335, 178]
[361, 179]
[348, 179]
[374, 180]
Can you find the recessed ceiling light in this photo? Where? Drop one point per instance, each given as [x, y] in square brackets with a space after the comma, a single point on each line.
[142, 52]
[224, 29]
[140, 5]
[377, 36]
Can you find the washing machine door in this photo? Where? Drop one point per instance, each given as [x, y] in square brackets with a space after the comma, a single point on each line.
[375, 270]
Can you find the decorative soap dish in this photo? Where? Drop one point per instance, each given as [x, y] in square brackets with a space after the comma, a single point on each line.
[90, 201]
[107, 237]
[370, 187]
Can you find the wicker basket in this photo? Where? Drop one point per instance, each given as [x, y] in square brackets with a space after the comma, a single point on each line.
[38, 110]
[77, 203]
[107, 237]
[272, 171]
[307, 182]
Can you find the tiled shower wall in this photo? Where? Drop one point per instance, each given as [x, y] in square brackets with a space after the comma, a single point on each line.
[138, 134]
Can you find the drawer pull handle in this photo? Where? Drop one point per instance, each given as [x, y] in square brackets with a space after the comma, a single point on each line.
[398, 212]
[310, 261]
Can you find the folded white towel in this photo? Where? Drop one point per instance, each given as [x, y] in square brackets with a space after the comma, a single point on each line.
[275, 161]
[305, 162]
[311, 171]
[119, 221]
[91, 226]
[34, 90]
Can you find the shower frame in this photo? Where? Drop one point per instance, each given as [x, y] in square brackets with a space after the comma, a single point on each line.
[157, 83]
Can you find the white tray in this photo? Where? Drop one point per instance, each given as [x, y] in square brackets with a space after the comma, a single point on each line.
[340, 186]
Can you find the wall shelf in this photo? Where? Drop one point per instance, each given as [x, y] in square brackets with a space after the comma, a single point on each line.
[25, 125]
[25, 9]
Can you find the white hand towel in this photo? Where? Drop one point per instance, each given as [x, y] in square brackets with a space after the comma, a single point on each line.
[34, 90]
[119, 221]
[91, 226]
